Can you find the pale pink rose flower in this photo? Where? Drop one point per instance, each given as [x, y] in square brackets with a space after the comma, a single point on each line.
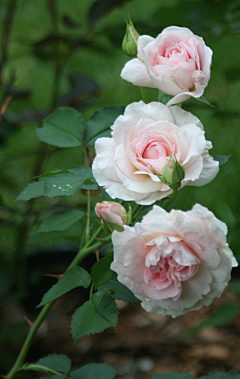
[174, 262]
[143, 140]
[177, 62]
[111, 212]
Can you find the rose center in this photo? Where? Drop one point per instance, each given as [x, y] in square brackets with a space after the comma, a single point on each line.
[154, 150]
[169, 267]
[173, 51]
[167, 271]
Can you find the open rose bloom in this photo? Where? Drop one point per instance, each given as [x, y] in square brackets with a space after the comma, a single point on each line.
[174, 262]
[177, 62]
[143, 140]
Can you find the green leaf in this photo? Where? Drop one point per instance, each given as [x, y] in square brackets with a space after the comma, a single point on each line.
[60, 221]
[204, 100]
[101, 272]
[60, 183]
[68, 184]
[172, 375]
[223, 316]
[56, 362]
[75, 277]
[52, 173]
[101, 121]
[119, 290]
[94, 371]
[63, 128]
[105, 194]
[222, 159]
[54, 377]
[95, 315]
[38, 367]
[165, 98]
[222, 375]
[32, 191]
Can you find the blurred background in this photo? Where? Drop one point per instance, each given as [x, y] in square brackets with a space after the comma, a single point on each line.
[68, 53]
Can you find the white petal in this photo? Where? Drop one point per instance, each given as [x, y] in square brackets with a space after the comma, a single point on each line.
[143, 41]
[209, 171]
[136, 73]
[183, 117]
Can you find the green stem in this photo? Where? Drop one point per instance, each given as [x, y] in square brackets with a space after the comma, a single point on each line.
[88, 249]
[23, 353]
[79, 257]
[160, 93]
[135, 210]
[171, 200]
[89, 243]
[144, 95]
[87, 232]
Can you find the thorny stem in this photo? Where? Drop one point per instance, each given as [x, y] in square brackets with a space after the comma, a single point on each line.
[27, 344]
[23, 353]
[88, 248]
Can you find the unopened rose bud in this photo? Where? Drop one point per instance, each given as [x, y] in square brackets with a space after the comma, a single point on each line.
[173, 173]
[113, 215]
[129, 44]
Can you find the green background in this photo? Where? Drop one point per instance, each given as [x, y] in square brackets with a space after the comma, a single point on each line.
[49, 41]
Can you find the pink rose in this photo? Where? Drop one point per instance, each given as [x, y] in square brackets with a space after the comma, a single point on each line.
[174, 262]
[177, 62]
[143, 140]
[111, 212]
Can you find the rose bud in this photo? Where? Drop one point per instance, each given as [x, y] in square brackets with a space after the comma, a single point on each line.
[129, 44]
[113, 215]
[172, 173]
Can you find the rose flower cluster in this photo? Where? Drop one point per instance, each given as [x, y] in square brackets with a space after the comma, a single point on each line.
[179, 261]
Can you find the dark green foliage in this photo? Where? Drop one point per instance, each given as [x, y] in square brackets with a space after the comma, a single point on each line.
[94, 371]
[56, 362]
[64, 183]
[101, 272]
[119, 290]
[100, 123]
[75, 277]
[222, 159]
[32, 191]
[172, 375]
[61, 221]
[95, 315]
[63, 128]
